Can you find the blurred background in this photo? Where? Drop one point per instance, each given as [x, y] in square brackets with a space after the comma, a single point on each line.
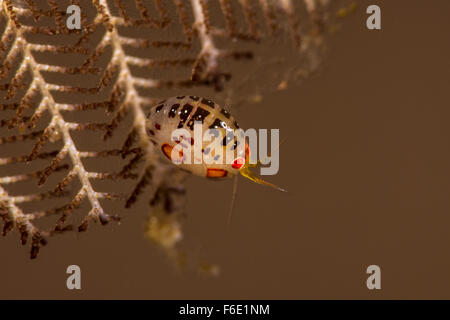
[366, 166]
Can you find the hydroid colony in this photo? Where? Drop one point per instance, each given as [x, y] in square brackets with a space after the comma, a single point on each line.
[61, 89]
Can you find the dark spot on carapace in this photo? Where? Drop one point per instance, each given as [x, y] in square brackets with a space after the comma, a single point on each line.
[225, 113]
[157, 126]
[195, 98]
[199, 115]
[208, 103]
[217, 124]
[184, 114]
[180, 97]
[173, 110]
[151, 132]
[158, 108]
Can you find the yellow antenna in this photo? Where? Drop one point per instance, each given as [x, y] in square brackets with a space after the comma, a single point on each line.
[245, 171]
[250, 175]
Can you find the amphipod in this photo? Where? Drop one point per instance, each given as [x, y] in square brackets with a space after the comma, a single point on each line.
[183, 112]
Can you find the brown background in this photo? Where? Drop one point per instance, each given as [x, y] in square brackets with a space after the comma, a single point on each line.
[366, 164]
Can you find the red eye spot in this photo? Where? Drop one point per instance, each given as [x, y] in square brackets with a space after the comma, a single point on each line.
[238, 163]
[157, 126]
